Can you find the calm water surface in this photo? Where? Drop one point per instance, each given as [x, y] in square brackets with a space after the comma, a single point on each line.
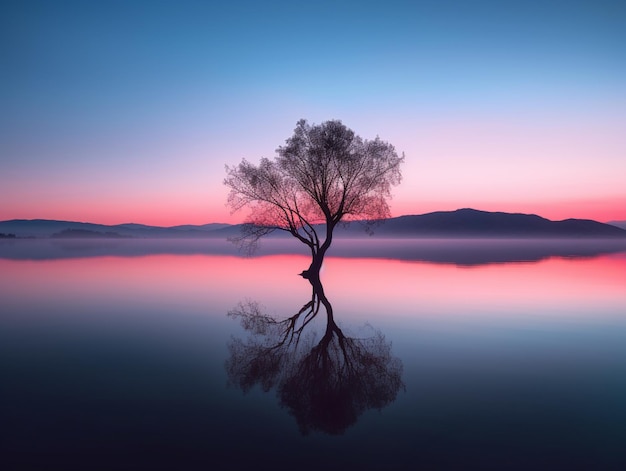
[121, 362]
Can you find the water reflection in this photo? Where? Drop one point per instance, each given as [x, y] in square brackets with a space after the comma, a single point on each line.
[507, 366]
[463, 252]
[325, 384]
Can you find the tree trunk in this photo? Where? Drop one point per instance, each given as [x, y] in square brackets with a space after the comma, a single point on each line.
[313, 275]
[313, 272]
[317, 254]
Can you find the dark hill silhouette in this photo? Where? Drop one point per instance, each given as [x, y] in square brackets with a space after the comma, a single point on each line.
[474, 223]
[461, 223]
[204, 227]
[46, 227]
[43, 228]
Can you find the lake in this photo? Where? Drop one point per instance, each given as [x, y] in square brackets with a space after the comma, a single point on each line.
[479, 354]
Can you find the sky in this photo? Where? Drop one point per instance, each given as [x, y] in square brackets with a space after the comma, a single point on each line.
[128, 111]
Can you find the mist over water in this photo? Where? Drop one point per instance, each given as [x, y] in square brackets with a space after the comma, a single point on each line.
[468, 251]
[118, 351]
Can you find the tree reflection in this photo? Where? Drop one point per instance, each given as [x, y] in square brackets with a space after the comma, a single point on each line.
[325, 384]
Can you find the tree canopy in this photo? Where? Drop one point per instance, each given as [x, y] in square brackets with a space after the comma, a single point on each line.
[323, 174]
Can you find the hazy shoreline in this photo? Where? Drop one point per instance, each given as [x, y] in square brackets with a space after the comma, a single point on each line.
[460, 251]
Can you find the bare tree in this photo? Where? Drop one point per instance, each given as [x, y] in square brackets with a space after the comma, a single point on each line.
[323, 175]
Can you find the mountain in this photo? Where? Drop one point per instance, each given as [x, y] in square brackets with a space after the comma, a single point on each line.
[42, 228]
[442, 224]
[620, 224]
[474, 223]
[204, 227]
[45, 227]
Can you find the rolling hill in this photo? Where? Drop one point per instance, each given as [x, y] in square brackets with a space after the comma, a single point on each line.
[43, 228]
[461, 223]
[475, 223]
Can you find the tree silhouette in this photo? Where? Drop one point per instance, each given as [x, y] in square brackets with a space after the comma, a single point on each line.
[326, 384]
[323, 175]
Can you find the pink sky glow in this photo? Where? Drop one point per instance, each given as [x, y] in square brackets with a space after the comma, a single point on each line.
[133, 119]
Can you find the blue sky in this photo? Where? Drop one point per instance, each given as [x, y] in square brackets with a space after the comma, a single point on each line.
[128, 110]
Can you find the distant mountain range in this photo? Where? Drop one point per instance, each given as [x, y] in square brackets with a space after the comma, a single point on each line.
[473, 223]
[43, 228]
[442, 224]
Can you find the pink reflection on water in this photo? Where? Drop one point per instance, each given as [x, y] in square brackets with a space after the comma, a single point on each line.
[409, 288]
[179, 281]
[215, 283]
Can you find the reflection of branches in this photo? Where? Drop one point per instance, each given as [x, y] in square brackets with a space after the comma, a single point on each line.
[339, 379]
[325, 386]
[264, 355]
[277, 333]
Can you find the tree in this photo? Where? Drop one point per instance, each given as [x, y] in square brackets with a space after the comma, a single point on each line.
[323, 175]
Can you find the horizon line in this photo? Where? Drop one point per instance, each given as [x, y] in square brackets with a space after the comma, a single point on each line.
[243, 222]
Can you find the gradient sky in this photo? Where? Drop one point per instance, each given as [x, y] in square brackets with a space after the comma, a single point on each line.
[127, 111]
